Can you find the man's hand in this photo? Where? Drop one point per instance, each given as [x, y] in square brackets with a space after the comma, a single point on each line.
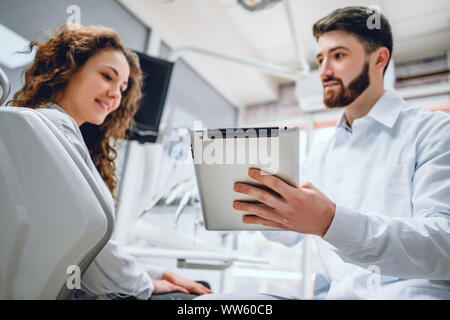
[302, 209]
[186, 284]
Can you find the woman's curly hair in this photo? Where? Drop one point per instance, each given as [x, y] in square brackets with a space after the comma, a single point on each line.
[57, 60]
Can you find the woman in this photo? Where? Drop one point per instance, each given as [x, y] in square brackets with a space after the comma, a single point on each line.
[86, 75]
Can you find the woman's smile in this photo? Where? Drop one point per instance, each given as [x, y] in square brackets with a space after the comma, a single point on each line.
[104, 106]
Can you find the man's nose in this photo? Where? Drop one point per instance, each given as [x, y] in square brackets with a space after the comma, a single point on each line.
[325, 70]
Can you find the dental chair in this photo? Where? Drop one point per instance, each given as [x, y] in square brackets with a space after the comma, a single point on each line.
[53, 216]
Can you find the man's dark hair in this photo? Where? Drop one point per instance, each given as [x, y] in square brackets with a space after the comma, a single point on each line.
[355, 20]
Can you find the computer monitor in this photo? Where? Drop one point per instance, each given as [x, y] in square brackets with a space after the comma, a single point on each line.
[157, 74]
[156, 79]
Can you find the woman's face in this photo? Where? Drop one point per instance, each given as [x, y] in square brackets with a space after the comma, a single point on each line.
[96, 88]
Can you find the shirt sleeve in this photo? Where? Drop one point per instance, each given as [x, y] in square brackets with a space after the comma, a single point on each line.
[405, 247]
[115, 273]
[288, 238]
[154, 272]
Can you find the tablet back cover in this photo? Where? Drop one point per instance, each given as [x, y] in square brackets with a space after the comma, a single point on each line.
[223, 157]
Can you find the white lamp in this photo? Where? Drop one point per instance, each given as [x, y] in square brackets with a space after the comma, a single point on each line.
[11, 47]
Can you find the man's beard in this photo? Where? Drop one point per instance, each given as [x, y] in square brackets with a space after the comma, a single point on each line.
[344, 96]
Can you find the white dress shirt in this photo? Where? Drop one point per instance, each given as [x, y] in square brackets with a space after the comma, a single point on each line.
[389, 175]
[113, 273]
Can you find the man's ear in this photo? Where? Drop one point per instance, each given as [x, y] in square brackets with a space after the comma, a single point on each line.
[382, 56]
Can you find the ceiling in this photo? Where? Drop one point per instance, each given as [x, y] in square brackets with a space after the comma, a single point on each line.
[420, 29]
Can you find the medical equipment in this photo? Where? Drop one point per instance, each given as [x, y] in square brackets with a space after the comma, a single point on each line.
[157, 74]
[5, 86]
[183, 202]
[252, 5]
[164, 194]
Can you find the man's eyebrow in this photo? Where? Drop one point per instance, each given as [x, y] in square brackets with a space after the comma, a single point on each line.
[333, 49]
[115, 71]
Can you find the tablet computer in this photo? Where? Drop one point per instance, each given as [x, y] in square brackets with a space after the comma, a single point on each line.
[223, 157]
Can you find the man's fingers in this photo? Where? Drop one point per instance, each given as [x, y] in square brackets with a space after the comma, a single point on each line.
[270, 181]
[260, 194]
[263, 222]
[307, 185]
[260, 210]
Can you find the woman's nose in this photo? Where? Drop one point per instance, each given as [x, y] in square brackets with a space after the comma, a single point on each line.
[114, 92]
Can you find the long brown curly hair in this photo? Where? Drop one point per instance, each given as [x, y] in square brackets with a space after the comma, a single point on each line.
[57, 60]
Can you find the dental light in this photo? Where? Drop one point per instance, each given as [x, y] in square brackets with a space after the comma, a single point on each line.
[12, 53]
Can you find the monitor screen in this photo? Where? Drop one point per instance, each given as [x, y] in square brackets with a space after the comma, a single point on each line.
[156, 78]
[156, 74]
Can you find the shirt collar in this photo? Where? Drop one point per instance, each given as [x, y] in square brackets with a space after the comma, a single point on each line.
[57, 107]
[386, 110]
[343, 123]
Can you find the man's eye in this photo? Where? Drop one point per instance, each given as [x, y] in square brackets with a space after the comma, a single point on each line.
[338, 55]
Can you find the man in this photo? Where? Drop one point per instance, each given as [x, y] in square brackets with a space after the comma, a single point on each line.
[378, 196]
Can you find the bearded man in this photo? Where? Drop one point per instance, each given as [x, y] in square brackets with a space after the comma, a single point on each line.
[377, 194]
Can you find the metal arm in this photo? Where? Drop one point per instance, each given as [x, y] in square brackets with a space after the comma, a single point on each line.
[5, 85]
[294, 74]
[258, 64]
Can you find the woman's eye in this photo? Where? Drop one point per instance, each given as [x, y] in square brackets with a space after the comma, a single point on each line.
[106, 76]
[338, 55]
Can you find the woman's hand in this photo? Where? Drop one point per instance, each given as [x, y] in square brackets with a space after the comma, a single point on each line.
[164, 286]
[186, 284]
